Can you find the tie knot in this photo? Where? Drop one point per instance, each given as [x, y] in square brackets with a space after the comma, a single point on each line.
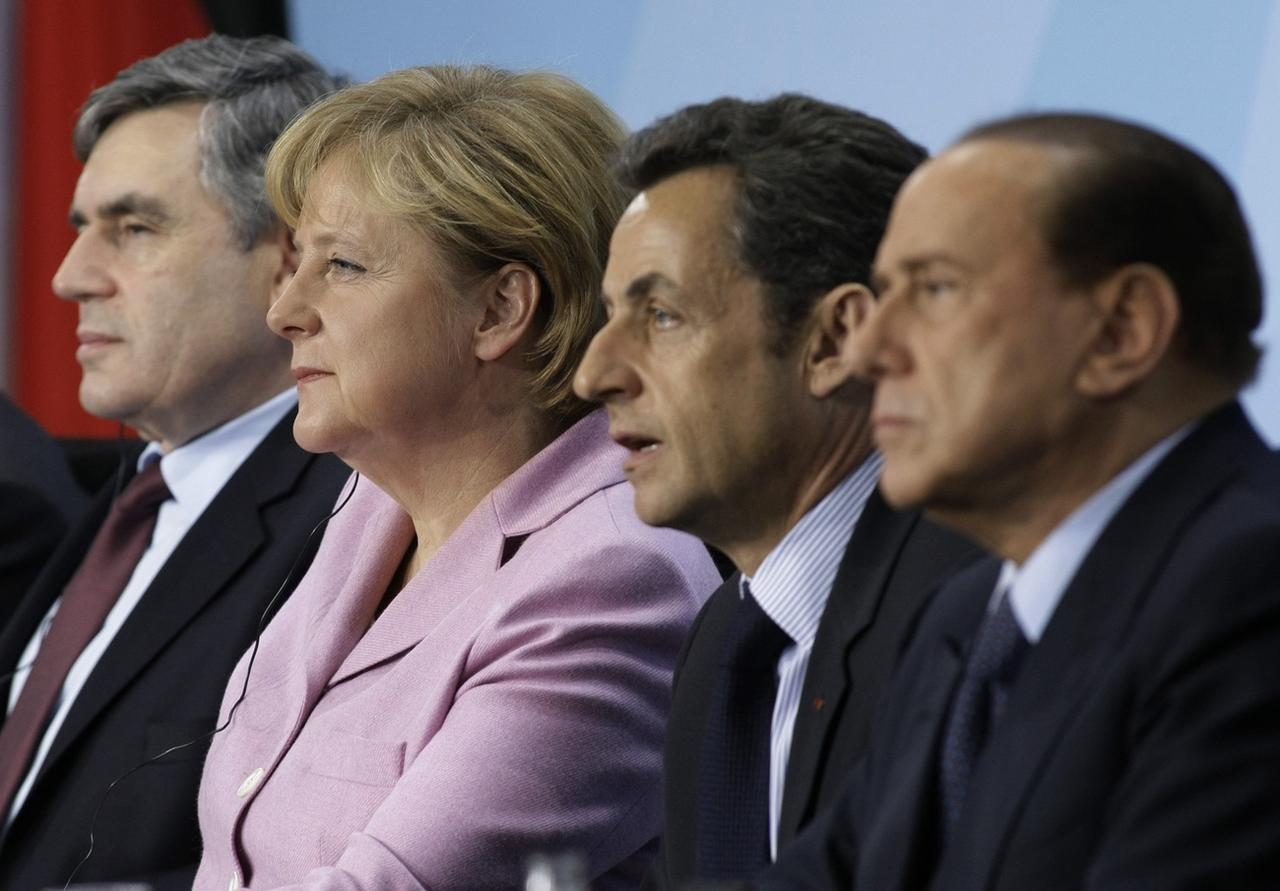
[999, 644]
[144, 493]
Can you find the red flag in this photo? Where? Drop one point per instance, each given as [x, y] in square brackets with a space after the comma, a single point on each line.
[66, 48]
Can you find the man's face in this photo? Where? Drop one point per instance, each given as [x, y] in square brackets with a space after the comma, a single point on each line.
[974, 345]
[172, 334]
[683, 365]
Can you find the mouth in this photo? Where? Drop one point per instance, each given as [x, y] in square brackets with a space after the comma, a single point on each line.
[304, 375]
[92, 342]
[642, 448]
[886, 428]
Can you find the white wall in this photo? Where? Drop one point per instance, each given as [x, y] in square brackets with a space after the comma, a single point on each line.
[1206, 71]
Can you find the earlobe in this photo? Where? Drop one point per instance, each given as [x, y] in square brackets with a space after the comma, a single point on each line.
[1138, 314]
[512, 296]
[829, 358]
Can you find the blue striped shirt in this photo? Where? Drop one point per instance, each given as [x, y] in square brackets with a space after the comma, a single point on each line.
[792, 586]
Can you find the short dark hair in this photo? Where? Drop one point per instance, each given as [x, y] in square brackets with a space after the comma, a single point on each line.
[815, 185]
[1132, 195]
[252, 87]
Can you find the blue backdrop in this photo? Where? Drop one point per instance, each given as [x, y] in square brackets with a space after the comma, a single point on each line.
[1206, 71]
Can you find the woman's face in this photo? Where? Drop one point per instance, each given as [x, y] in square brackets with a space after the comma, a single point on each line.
[382, 338]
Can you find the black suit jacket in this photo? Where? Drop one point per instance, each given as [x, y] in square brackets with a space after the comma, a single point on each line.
[1140, 746]
[160, 681]
[893, 562]
[38, 498]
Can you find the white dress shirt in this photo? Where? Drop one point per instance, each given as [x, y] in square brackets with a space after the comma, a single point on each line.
[1037, 586]
[195, 473]
[792, 585]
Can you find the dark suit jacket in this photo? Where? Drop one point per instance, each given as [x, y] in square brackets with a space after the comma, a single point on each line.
[893, 562]
[160, 681]
[1140, 746]
[38, 498]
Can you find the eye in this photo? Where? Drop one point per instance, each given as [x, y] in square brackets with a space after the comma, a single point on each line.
[935, 288]
[342, 266]
[661, 318]
[133, 228]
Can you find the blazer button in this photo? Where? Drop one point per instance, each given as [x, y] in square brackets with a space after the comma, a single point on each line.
[250, 783]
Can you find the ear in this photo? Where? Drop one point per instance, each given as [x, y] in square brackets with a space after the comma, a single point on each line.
[1138, 314]
[285, 255]
[829, 355]
[511, 299]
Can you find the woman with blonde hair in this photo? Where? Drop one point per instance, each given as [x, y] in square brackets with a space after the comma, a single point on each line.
[476, 667]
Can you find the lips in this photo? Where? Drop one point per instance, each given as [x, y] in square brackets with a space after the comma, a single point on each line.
[635, 442]
[641, 446]
[92, 342]
[304, 374]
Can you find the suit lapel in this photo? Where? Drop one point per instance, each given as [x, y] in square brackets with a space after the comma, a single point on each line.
[578, 463]
[467, 560]
[1092, 620]
[47, 588]
[899, 844]
[227, 535]
[860, 583]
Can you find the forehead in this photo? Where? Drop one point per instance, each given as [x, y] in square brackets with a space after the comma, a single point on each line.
[338, 199]
[155, 148]
[339, 207]
[333, 197]
[979, 200]
[681, 226]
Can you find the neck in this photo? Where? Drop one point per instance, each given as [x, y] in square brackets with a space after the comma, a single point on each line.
[780, 506]
[1015, 515]
[177, 428]
[439, 483]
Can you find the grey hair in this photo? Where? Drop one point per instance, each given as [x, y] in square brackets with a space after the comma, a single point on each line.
[253, 87]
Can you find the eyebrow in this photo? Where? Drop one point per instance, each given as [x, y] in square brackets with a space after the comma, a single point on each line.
[912, 265]
[127, 205]
[647, 284]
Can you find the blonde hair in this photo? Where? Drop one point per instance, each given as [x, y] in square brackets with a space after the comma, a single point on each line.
[494, 167]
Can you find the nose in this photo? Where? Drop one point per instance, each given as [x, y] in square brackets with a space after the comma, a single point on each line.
[82, 274]
[293, 316]
[605, 372]
[878, 349]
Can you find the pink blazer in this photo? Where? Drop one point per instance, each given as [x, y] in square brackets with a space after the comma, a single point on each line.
[511, 699]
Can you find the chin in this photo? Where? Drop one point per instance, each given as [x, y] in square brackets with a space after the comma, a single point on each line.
[313, 437]
[654, 509]
[901, 488]
[102, 402]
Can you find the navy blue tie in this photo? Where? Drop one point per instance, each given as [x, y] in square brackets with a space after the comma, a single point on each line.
[733, 782]
[978, 703]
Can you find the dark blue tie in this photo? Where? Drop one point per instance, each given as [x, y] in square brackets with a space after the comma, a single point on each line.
[978, 703]
[733, 780]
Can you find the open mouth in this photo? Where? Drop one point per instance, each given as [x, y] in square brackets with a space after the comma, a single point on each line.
[637, 444]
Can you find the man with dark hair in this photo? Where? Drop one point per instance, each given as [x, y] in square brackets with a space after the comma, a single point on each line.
[726, 369]
[1063, 323]
[122, 647]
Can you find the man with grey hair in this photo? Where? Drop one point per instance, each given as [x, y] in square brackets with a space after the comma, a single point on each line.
[121, 650]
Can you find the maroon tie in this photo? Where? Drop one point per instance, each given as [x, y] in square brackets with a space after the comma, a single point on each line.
[86, 600]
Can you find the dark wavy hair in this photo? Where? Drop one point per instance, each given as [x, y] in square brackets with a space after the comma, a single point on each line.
[815, 185]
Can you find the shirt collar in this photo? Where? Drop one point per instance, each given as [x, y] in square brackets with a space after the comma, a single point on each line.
[1038, 584]
[794, 581]
[216, 454]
